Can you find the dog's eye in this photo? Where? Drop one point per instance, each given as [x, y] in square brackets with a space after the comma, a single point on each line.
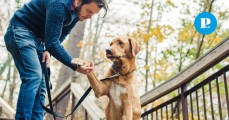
[120, 43]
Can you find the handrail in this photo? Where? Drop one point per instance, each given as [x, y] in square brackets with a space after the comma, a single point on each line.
[10, 112]
[214, 56]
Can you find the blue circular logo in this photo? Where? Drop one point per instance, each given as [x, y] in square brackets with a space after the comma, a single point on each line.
[205, 23]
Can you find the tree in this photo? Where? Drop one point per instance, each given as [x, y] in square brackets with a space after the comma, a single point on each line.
[150, 33]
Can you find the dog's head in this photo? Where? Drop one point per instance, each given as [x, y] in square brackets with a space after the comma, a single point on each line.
[122, 53]
[122, 46]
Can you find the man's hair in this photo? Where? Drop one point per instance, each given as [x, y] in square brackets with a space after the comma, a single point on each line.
[101, 4]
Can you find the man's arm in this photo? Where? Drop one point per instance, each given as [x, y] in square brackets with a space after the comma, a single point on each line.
[64, 35]
[55, 16]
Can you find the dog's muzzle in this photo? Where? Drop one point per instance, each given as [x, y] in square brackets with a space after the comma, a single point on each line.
[110, 55]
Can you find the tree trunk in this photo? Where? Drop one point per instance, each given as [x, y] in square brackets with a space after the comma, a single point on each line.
[7, 80]
[147, 49]
[13, 86]
[2, 69]
[200, 42]
[95, 41]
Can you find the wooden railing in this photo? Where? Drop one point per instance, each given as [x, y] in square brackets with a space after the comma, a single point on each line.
[180, 82]
[6, 109]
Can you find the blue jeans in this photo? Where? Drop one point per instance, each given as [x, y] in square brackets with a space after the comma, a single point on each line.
[27, 51]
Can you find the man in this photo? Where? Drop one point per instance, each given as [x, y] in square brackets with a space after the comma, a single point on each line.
[41, 25]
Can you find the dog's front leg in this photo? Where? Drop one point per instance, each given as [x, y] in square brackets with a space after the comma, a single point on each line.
[99, 87]
[127, 110]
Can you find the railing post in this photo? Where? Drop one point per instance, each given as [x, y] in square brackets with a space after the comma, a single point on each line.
[73, 104]
[1, 111]
[184, 103]
[86, 116]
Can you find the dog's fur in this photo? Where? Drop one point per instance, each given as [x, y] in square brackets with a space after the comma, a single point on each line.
[122, 91]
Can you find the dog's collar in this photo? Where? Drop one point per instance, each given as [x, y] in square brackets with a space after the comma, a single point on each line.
[115, 68]
[117, 71]
[117, 74]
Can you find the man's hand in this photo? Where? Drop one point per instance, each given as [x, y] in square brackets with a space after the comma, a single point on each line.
[83, 68]
[86, 69]
[46, 58]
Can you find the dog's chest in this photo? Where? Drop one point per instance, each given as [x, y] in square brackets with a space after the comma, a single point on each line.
[115, 92]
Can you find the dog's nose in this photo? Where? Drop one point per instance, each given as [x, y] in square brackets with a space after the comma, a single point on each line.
[108, 51]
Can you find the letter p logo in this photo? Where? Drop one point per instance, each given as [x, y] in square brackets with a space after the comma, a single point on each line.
[205, 22]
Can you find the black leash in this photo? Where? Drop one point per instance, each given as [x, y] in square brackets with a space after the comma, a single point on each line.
[47, 81]
[46, 71]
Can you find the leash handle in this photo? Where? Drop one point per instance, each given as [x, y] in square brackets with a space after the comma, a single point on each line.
[46, 71]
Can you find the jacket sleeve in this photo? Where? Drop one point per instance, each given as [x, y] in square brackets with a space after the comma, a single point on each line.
[64, 35]
[55, 15]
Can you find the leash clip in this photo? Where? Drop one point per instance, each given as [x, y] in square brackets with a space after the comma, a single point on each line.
[66, 117]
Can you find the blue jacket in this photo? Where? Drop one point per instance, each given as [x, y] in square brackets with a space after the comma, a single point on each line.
[51, 21]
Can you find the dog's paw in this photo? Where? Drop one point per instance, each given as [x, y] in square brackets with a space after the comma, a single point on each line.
[78, 61]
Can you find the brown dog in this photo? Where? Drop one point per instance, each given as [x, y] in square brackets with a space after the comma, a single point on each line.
[124, 101]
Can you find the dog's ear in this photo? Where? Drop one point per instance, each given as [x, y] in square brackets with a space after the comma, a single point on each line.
[134, 47]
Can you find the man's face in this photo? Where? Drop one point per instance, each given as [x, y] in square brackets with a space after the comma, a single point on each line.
[86, 11]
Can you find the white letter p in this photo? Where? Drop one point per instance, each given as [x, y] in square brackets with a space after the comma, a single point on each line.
[205, 22]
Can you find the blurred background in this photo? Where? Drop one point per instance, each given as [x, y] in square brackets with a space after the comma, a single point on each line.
[164, 28]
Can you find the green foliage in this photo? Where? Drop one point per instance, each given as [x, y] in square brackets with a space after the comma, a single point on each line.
[18, 3]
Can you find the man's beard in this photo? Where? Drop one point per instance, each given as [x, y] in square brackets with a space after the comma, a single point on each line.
[78, 9]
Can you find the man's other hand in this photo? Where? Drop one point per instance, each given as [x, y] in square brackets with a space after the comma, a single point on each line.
[46, 58]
